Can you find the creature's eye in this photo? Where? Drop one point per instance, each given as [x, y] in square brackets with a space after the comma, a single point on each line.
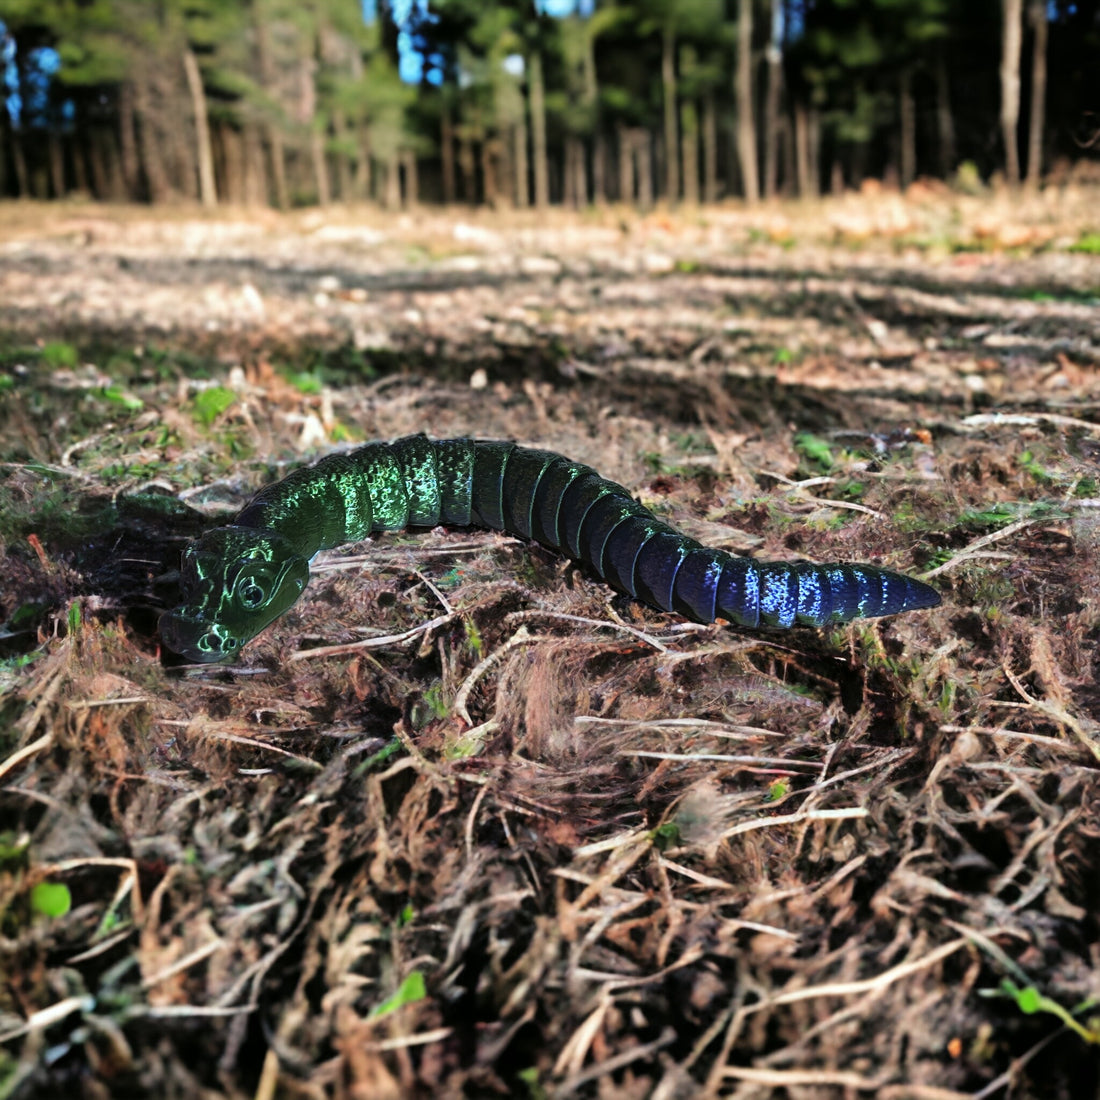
[209, 643]
[251, 592]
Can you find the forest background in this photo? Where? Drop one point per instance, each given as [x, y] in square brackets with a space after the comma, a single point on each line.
[289, 103]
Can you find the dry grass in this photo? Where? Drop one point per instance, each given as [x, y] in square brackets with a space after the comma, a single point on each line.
[594, 851]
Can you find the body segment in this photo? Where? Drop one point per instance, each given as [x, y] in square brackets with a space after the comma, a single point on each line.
[237, 579]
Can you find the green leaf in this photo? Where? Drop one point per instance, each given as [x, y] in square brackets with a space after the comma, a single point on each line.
[118, 396]
[51, 899]
[59, 354]
[814, 449]
[412, 989]
[211, 403]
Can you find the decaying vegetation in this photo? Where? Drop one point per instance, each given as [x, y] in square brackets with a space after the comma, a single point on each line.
[464, 822]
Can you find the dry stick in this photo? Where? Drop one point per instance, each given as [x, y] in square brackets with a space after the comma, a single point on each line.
[602, 624]
[865, 985]
[973, 548]
[1056, 712]
[372, 643]
[794, 819]
[521, 637]
[570, 1086]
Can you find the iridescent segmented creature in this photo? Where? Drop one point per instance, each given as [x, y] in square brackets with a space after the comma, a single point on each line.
[238, 579]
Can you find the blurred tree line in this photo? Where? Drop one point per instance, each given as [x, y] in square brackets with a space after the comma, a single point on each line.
[291, 102]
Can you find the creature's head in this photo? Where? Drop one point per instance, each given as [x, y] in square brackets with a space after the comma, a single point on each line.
[235, 580]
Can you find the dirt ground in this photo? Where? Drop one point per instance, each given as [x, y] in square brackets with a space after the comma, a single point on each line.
[467, 823]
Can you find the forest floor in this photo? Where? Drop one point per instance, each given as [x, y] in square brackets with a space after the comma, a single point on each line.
[467, 823]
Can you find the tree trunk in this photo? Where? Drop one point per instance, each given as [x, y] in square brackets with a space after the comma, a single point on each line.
[1037, 16]
[643, 151]
[689, 151]
[320, 165]
[771, 102]
[489, 175]
[57, 165]
[520, 181]
[538, 130]
[908, 122]
[101, 186]
[447, 152]
[274, 135]
[232, 165]
[599, 169]
[945, 121]
[152, 154]
[255, 183]
[412, 179]
[746, 119]
[392, 200]
[19, 163]
[467, 166]
[343, 160]
[577, 171]
[802, 151]
[710, 149]
[668, 85]
[364, 184]
[1011, 35]
[205, 152]
[128, 139]
[626, 164]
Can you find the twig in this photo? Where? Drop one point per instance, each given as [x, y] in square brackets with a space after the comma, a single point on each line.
[971, 550]
[794, 819]
[379, 642]
[604, 624]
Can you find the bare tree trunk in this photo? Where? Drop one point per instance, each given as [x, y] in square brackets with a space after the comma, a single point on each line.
[363, 166]
[802, 151]
[152, 154]
[101, 184]
[447, 152]
[626, 164]
[521, 182]
[467, 167]
[80, 169]
[57, 165]
[908, 121]
[710, 149]
[275, 145]
[412, 179]
[320, 165]
[489, 175]
[255, 183]
[343, 160]
[746, 119]
[689, 151]
[233, 167]
[567, 174]
[576, 171]
[1011, 36]
[599, 169]
[537, 93]
[392, 199]
[643, 151]
[19, 163]
[1037, 16]
[207, 190]
[668, 84]
[128, 139]
[774, 56]
[945, 121]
